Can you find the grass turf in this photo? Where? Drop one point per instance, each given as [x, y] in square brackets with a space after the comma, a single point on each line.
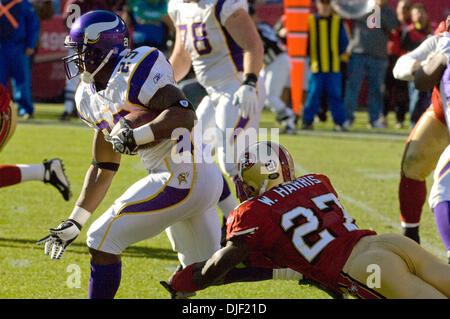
[363, 165]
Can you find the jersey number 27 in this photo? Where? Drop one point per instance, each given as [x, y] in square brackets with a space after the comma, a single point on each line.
[323, 203]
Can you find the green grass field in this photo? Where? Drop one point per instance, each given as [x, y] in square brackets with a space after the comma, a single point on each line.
[362, 164]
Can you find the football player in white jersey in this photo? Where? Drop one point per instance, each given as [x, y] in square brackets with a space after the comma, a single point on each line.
[220, 41]
[439, 199]
[180, 192]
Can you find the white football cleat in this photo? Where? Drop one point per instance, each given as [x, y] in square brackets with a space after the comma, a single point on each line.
[55, 175]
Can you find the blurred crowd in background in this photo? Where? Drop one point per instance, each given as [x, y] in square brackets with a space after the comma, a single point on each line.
[356, 75]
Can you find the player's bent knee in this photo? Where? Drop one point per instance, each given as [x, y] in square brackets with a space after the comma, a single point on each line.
[101, 258]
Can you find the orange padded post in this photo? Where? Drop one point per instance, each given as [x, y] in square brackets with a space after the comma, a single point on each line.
[297, 45]
[297, 12]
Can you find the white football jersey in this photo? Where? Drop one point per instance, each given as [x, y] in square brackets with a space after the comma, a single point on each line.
[215, 55]
[135, 79]
[441, 187]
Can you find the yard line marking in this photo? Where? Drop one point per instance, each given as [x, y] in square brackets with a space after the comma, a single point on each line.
[439, 252]
[355, 135]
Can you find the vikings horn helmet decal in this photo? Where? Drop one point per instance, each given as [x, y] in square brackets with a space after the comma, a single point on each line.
[96, 37]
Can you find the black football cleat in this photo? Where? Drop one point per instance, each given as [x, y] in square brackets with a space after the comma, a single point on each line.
[55, 175]
[412, 232]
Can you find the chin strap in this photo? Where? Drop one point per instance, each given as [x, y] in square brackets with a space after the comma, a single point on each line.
[88, 77]
[264, 186]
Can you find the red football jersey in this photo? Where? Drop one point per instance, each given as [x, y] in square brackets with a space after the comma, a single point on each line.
[438, 105]
[300, 225]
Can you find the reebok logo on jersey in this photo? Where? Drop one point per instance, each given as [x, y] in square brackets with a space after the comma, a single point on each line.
[157, 77]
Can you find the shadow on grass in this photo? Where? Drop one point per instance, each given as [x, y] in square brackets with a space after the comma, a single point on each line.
[81, 248]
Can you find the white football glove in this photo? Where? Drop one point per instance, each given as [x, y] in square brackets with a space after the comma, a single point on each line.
[246, 97]
[60, 238]
[443, 46]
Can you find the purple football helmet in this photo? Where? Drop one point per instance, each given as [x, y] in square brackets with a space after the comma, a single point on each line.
[96, 37]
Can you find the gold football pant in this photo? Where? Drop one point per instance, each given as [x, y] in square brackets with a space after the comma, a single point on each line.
[394, 266]
[425, 144]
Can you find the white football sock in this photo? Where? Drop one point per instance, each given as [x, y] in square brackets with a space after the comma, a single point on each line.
[34, 172]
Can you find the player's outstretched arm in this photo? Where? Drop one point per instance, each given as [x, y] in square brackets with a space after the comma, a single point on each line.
[200, 275]
[97, 181]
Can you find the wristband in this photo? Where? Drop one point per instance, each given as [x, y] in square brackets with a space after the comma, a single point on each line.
[182, 281]
[80, 215]
[143, 134]
[250, 79]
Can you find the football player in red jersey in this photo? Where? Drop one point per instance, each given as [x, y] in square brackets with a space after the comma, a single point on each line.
[429, 137]
[51, 171]
[299, 223]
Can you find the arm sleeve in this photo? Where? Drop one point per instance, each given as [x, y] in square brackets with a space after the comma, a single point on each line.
[32, 26]
[171, 11]
[81, 107]
[250, 225]
[403, 69]
[229, 7]
[152, 73]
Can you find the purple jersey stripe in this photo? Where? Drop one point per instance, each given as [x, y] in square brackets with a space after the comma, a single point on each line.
[170, 196]
[235, 50]
[445, 169]
[140, 74]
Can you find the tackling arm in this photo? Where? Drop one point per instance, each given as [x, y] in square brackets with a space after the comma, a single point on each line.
[212, 271]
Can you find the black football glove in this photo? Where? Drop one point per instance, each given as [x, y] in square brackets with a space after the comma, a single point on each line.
[124, 141]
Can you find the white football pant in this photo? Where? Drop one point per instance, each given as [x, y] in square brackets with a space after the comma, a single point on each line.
[223, 129]
[179, 197]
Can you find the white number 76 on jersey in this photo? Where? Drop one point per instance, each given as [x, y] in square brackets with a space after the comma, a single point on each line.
[323, 203]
